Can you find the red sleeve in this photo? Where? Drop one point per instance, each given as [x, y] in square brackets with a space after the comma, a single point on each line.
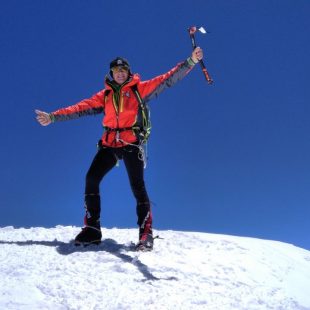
[91, 106]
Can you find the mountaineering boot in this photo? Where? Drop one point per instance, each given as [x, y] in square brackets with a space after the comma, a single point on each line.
[88, 235]
[146, 242]
[91, 233]
[146, 239]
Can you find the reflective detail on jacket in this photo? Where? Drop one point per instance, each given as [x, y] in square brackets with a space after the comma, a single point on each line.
[123, 114]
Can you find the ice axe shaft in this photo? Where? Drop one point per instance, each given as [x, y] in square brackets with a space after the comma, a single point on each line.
[192, 30]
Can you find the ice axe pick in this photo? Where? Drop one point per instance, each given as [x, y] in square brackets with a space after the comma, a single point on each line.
[192, 30]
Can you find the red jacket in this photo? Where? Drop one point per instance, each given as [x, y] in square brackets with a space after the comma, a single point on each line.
[123, 114]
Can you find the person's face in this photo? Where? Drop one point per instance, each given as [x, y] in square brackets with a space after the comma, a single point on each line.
[120, 74]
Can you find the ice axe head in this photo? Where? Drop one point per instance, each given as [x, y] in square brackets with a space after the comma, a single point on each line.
[192, 30]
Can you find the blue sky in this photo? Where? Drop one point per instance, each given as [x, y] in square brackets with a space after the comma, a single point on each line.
[232, 158]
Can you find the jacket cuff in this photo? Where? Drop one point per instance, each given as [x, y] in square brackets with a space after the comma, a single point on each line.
[52, 117]
[191, 62]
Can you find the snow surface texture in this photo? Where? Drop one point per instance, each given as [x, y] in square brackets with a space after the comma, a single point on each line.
[41, 269]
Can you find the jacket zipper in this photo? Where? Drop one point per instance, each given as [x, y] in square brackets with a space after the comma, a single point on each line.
[118, 106]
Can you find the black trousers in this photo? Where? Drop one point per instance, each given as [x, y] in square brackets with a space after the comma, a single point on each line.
[105, 159]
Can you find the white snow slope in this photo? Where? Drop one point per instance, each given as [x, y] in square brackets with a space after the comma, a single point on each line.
[41, 269]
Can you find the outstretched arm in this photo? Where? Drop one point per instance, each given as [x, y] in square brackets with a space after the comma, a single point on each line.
[91, 106]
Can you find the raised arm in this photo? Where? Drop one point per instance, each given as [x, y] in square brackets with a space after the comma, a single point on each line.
[153, 87]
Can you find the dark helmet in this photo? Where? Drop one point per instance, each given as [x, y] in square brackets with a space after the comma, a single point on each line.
[119, 62]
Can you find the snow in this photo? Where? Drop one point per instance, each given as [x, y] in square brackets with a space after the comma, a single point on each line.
[40, 268]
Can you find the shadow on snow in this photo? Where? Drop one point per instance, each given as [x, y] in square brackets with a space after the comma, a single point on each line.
[107, 245]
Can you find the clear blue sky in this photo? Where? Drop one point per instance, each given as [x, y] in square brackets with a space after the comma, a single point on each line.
[232, 158]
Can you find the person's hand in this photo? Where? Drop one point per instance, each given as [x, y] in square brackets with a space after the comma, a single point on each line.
[197, 54]
[43, 118]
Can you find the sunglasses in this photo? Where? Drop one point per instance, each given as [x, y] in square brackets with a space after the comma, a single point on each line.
[119, 69]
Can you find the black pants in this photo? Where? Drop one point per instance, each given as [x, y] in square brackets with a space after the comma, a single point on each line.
[105, 159]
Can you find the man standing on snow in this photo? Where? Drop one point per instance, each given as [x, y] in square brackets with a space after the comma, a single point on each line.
[122, 101]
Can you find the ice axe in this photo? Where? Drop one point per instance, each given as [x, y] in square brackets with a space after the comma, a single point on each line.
[192, 30]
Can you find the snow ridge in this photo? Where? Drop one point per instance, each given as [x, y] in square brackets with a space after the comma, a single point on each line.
[40, 268]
